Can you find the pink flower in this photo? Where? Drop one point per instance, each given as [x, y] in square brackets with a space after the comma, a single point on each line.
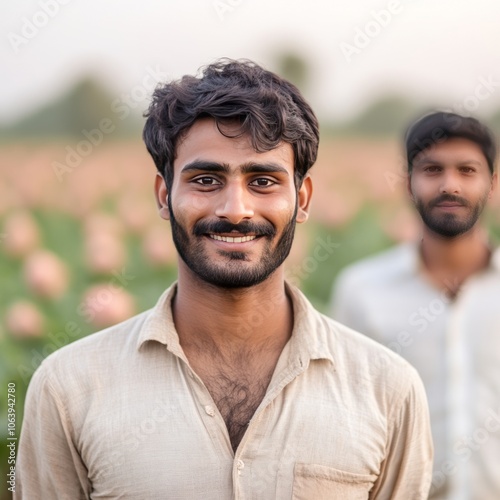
[104, 253]
[24, 320]
[46, 274]
[137, 214]
[158, 246]
[100, 223]
[21, 234]
[107, 304]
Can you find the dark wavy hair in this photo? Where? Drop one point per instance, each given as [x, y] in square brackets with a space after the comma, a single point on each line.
[437, 127]
[268, 108]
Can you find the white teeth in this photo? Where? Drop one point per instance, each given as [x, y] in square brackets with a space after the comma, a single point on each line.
[230, 239]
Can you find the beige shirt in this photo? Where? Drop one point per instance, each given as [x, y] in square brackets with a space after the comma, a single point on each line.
[120, 414]
[455, 347]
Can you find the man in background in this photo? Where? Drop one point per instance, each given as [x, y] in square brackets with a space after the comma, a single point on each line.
[437, 301]
[233, 386]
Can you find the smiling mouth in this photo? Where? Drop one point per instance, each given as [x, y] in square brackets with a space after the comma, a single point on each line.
[232, 239]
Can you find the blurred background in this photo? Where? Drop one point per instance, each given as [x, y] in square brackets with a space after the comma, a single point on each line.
[81, 244]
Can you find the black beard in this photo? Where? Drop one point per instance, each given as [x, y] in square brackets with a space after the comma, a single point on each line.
[449, 225]
[231, 275]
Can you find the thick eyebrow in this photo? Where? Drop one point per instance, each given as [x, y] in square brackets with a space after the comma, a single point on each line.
[205, 166]
[425, 160]
[263, 168]
[469, 162]
[247, 168]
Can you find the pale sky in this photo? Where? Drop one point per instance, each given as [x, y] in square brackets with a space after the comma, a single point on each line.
[444, 52]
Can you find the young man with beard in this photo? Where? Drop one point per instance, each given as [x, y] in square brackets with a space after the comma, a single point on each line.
[436, 302]
[232, 386]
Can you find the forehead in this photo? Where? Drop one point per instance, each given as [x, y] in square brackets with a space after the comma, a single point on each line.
[453, 150]
[204, 141]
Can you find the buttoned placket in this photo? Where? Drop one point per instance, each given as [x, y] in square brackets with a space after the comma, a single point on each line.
[214, 421]
[216, 426]
[242, 463]
[458, 377]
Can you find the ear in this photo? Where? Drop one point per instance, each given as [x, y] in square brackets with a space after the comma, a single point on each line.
[161, 195]
[494, 184]
[304, 199]
[408, 185]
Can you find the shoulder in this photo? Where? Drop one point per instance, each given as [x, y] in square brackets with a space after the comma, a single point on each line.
[92, 355]
[359, 360]
[380, 374]
[357, 353]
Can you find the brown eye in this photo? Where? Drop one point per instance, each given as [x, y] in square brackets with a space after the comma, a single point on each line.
[262, 182]
[432, 169]
[206, 181]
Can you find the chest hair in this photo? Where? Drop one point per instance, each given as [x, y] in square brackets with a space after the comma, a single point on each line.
[237, 389]
[237, 399]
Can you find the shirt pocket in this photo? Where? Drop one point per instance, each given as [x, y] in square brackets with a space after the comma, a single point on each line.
[318, 482]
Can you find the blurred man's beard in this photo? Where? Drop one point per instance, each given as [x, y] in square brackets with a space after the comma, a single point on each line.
[450, 224]
[231, 272]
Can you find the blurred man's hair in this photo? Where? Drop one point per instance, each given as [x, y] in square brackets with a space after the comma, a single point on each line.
[268, 108]
[437, 127]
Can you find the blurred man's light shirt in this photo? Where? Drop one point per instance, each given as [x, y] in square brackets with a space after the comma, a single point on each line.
[455, 346]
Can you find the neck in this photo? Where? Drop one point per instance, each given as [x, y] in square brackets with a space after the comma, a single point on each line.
[450, 261]
[232, 320]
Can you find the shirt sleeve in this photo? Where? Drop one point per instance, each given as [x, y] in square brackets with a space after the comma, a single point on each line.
[49, 465]
[406, 473]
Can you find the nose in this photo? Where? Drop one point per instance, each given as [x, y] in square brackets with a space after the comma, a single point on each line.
[450, 183]
[235, 204]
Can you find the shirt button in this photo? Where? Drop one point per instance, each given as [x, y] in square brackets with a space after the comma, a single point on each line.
[210, 410]
[240, 465]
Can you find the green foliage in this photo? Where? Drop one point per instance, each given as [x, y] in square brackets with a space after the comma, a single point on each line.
[359, 238]
[294, 68]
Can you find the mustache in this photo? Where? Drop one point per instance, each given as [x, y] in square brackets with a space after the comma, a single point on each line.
[203, 227]
[451, 198]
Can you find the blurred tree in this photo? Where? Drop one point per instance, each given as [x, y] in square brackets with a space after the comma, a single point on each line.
[81, 108]
[389, 115]
[294, 67]
[494, 122]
